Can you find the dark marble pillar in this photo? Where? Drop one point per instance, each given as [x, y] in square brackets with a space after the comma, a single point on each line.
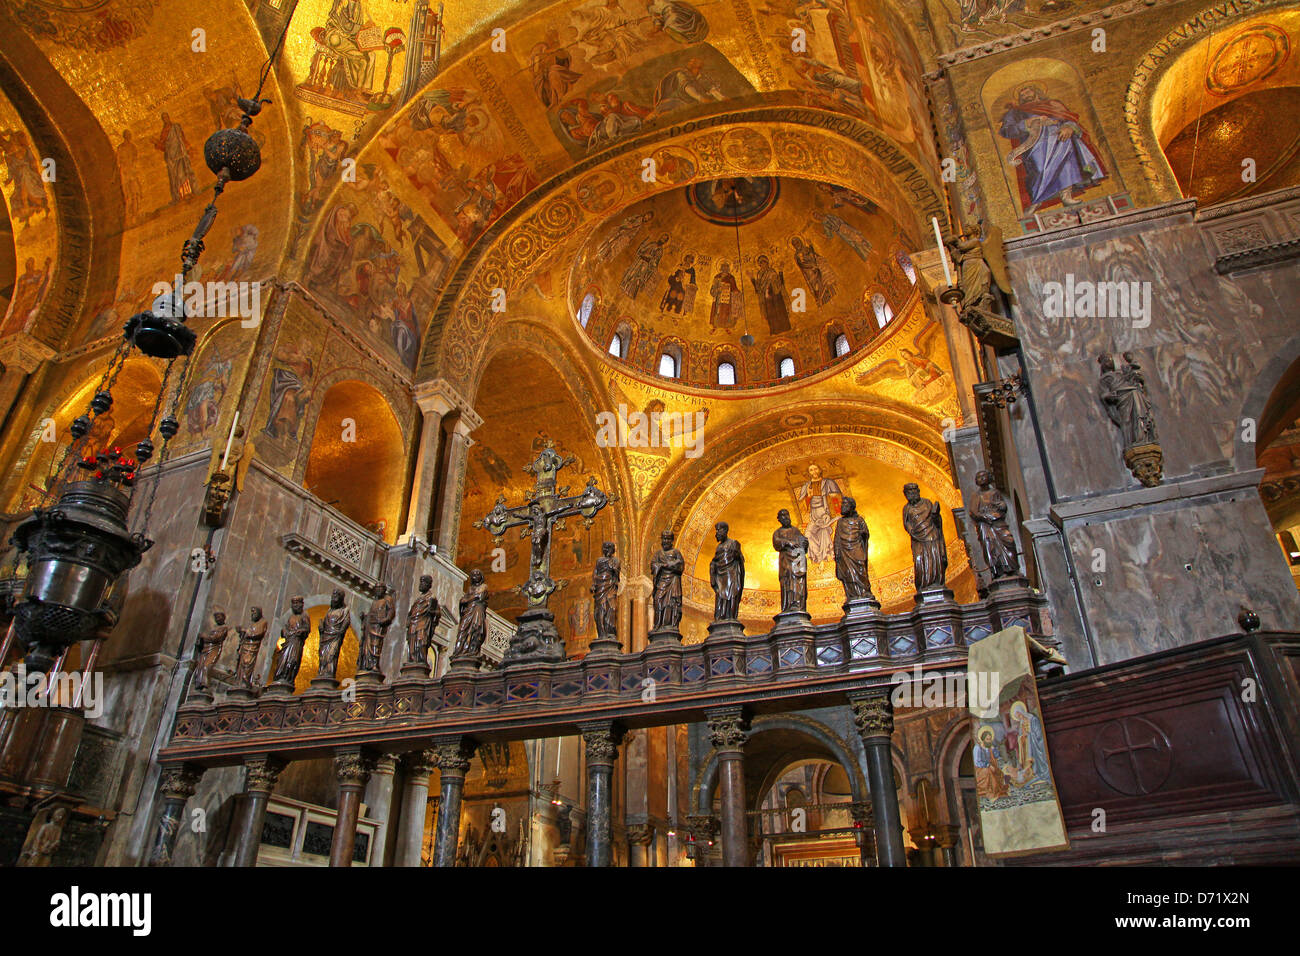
[728, 731]
[874, 716]
[352, 767]
[453, 763]
[177, 785]
[415, 803]
[947, 837]
[602, 739]
[246, 834]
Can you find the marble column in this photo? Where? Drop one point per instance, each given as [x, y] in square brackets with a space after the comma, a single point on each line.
[177, 785]
[640, 836]
[728, 731]
[246, 833]
[947, 835]
[453, 487]
[873, 714]
[20, 356]
[353, 769]
[415, 801]
[454, 755]
[436, 401]
[602, 739]
[640, 589]
[379, 801]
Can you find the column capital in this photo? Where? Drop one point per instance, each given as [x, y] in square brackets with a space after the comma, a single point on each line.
[438, 397]
[465, 422]
[180, 783]
[702, 826]
[947, 835]
[602, 738]
[263, 772]
[420, 763]
[640, 834]
[862, 814]
[728, 727]
[353, 767]
[454, 754]
[22, 352]
[873, 714]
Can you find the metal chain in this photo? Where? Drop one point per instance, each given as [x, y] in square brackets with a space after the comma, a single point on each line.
[153, 416]
[106, 382]
[166, 444]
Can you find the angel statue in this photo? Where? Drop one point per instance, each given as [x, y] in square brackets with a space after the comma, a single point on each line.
[982, 266]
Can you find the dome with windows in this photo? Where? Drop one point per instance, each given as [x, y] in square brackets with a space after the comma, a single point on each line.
[742, 282]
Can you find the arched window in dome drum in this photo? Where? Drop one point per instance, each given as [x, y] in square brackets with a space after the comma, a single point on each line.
[668, 365]
[841, 345]
[584, 310]
[883, 312]
[905, 263]
[616, 345]
[726, 373]
[785, 367]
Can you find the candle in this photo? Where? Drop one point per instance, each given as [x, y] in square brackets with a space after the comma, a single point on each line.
[559, 749]
[938, 238]
[231, 437]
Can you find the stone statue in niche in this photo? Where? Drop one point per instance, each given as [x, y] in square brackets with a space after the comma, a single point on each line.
[726, 575]
[924, 523]
[472, 631]
[333, 626]
[791, 546]
[421, 620]
[41, 846]
[1123, 394]
[604, 593]
[250, 644]
[208, 652]
[293, 635]
[990, 517]
[666, 567]
[852, 538]
[379, 619]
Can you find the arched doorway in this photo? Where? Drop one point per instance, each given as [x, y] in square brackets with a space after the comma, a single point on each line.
[1278, 453]
[358, 459]
[805, 791]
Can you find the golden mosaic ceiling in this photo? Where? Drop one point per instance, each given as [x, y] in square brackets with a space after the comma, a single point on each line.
[1220, 103]
[791, 263]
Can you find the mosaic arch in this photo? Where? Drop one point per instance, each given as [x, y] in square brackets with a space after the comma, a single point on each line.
[152, 124]
[1140, 98]
[559, 224]
[576, 84]
[1218, 105]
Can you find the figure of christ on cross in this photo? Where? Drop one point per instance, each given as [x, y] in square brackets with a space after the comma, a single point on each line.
[536, 637]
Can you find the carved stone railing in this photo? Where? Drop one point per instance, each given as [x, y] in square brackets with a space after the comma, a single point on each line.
[663, 684]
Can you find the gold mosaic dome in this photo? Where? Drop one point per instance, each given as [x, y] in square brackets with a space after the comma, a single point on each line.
[741, 282]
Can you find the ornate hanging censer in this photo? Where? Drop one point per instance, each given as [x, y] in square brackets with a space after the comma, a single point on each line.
[77, 548]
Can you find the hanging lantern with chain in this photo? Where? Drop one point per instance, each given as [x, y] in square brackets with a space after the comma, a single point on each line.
[78, 547]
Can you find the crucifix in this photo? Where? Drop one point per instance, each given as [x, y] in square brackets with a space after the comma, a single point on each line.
[547, 506]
